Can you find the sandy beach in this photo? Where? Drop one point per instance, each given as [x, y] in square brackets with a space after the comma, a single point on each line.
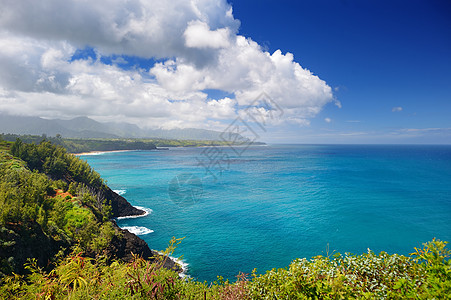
[100, 152]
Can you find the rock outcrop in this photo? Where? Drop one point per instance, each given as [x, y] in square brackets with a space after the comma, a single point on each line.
[120, 207]
[126, 244]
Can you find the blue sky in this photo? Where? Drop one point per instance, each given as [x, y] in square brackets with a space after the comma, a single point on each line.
[343, 71]
[377, 54]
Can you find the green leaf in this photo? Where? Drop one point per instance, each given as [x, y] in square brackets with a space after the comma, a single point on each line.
[399, 284]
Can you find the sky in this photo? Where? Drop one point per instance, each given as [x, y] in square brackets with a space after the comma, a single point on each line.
[337, 71]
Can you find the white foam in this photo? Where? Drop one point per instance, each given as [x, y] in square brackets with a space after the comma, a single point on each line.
[184, 265]
[147, 211]
[138, 230]
[100, 152]
[120, 192]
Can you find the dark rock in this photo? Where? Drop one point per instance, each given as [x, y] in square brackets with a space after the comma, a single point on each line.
[122, 248]
[120, 206]
[18, 242]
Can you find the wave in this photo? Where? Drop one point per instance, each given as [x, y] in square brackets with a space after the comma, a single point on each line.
[138, 230]
[120, 192]
[184, 265]
[100, 152]
[147, 211]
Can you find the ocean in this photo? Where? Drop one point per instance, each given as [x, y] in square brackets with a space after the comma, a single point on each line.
[263, 206]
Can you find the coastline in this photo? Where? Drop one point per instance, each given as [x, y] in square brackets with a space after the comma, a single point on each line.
[176, 264]
[183, 266]
[147, 211]
[100, 152]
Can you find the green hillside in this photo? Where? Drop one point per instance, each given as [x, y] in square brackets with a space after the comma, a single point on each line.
[73, 145]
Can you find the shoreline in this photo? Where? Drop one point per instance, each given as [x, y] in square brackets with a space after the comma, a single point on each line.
[100, 152]
[179, 262]
[147, 211]
[183, 266]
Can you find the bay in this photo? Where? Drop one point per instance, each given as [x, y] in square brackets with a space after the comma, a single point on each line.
[261, 207]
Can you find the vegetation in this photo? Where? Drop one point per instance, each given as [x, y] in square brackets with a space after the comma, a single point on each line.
[87, 145]
[424, 275]
[4, 145]
[35, 205]
[49, 204]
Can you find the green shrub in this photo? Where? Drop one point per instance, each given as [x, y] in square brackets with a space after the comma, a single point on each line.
[434, 258]
[424, 275]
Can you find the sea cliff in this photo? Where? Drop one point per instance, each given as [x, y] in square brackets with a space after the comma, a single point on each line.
[53, 203]
[129, 243]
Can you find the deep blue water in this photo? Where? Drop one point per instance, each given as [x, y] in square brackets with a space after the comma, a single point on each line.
[272, 204]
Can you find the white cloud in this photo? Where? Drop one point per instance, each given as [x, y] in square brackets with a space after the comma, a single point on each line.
[151, 28]
[199, 35]
[327, 120]
[222, 109]
[422, 135]
[423, 130]
[245, 70]
[197, 43]
[396, 109]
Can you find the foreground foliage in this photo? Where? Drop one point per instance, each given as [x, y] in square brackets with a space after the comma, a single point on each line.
[426, 274]
[47, 204]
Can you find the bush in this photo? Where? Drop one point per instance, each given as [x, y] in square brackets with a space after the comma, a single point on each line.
[424, 275]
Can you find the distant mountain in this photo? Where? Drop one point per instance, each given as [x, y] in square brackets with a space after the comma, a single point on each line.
[84, 127]
[32, 125]
[183, 134]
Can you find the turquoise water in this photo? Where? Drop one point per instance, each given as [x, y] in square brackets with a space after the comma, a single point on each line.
[271, 204]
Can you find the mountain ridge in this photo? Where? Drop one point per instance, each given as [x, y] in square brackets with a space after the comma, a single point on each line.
[85, 127]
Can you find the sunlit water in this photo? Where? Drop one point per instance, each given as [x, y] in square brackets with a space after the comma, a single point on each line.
[272, 204]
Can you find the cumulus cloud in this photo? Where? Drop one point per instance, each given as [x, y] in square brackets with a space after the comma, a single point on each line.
[396, 109]
[199, 35]
[142, 28]
[327, 120]
[196, 44]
